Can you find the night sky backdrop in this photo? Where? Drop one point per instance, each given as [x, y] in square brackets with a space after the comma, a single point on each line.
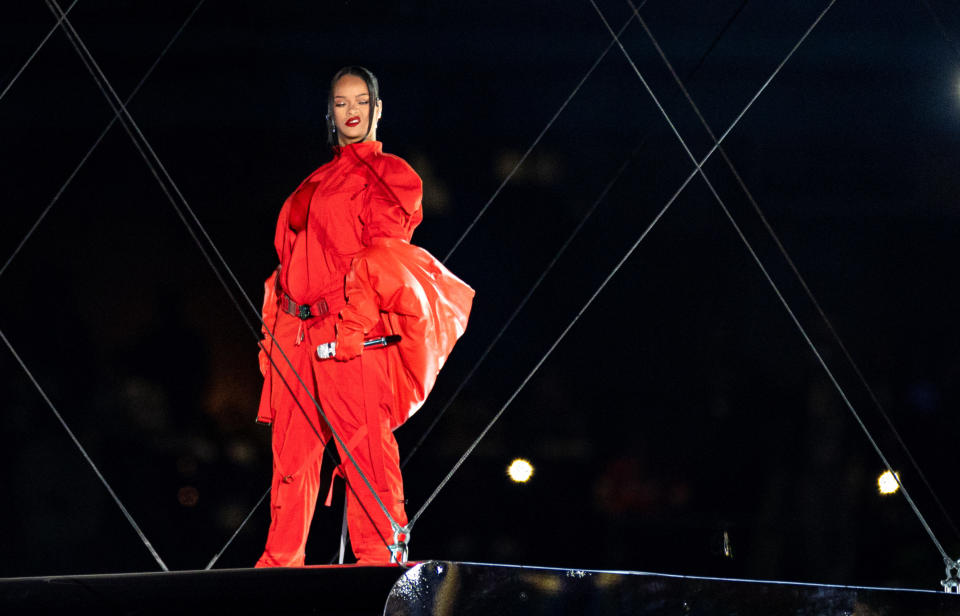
[683, 407]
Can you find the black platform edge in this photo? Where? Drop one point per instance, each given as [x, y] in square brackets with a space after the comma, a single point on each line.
[438, 588]
[340, 590]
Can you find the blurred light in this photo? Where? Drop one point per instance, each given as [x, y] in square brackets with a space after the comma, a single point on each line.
[545, 582]
[188, 496]
[242, 452]
[888, 483]
[727, 546]
[520, 470]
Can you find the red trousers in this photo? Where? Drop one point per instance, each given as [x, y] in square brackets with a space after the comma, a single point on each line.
[357, 398]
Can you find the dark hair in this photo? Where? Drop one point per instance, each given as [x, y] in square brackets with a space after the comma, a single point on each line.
[373, 88]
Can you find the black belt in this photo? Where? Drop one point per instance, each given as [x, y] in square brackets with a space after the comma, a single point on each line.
[303, 311]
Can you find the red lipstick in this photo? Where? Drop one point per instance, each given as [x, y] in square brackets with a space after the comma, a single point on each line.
[354, 121]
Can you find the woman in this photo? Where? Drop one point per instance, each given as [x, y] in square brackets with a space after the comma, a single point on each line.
[352, 216]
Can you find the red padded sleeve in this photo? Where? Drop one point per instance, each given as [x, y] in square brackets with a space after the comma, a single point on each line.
[392, 206]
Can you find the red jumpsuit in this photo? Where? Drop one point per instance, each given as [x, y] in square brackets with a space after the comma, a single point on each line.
[357, 199]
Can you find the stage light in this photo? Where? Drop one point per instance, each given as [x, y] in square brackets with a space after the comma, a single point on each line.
[888, 483]
[520, 470]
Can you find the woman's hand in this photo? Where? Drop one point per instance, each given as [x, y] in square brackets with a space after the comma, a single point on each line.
[349, 342]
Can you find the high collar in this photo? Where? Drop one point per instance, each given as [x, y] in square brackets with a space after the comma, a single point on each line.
[361, 149]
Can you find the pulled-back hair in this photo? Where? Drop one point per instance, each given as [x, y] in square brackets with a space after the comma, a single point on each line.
[373, 88]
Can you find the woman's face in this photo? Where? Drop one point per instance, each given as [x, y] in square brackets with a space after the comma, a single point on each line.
[351, 110]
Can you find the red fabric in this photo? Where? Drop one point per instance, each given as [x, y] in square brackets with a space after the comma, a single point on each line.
[349, 341]
[269, 314]
[360, 195]
[424, 303]
[345, 205]
[356, 396]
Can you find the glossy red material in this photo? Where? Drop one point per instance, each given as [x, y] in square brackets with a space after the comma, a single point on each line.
[421, 300]
[361, 201]
[360, 195]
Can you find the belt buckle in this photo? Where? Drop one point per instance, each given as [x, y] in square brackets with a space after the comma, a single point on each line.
[304, 312]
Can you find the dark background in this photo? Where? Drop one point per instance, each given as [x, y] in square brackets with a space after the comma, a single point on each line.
[683, 405]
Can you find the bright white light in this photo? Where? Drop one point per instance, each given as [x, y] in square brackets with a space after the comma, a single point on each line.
[520, 470]
[887, 483]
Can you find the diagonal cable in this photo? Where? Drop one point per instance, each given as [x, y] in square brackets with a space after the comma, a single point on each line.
[589, 213]
[83, 452]
[467, 231]
[803, 283]
[103, 133]
[154, 163]
[536, 141]
[43, 42]
[217, 556]
[624, 259]
[523, 302]
[326, 452]
[506, 325]
[776, 289]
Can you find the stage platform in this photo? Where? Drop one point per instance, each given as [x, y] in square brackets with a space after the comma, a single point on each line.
[439, 588]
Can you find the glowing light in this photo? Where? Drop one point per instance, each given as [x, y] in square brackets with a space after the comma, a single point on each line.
[888, 483]
[188, 496]
[520, 470]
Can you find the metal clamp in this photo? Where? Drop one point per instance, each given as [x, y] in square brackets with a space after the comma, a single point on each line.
[952, 583]
[399, 548]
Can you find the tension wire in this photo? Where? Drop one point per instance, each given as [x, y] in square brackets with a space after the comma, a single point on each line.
[86, 457]
[776, 289]
[103, 133]
[43, 42]
[589, 213]
[131, 126]
[624, 259]
[782, 299]
[152, 159]
[103, 480]
[217, 556]
[536, 141]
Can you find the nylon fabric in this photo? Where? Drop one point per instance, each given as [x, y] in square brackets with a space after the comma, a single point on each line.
[359, 196]
[424, 302]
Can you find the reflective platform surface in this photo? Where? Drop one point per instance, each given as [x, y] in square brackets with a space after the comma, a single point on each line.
[439, 588]
[446, 588]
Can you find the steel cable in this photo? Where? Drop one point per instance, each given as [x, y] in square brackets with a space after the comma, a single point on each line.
[43, 394]
[103, 133]
[43, 42]
[623, 260]
[486, 206]
[576, 231]
[83, 452]
[153, 163]
[536, 141]
[809, 341]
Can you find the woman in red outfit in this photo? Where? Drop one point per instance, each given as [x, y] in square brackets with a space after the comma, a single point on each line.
[360, 198]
